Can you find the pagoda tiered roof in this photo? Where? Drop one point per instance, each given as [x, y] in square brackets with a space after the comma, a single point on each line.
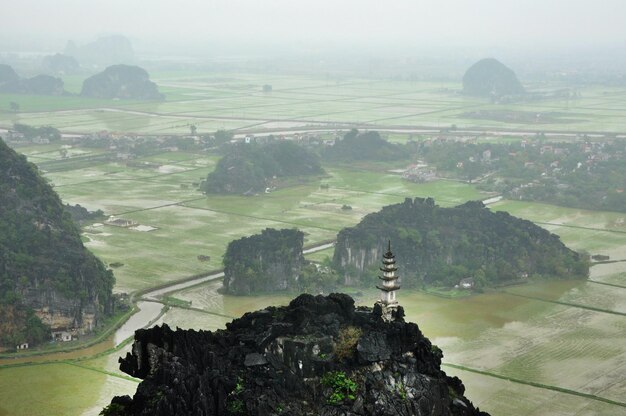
[388, 279]
[388, 289]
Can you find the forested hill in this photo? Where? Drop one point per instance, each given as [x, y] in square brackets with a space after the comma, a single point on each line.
[266, 262]
[252, 167]
[357, 146]
[44, 266]
[121, 81]
[440, 246]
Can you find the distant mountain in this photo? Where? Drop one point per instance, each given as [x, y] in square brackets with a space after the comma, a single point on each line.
[8, 75]
[491, 78]
[60, 64]
[440, 246]
[11, 83]
[46, 274]
[355, 146]
[121, 81]
[252, 167]
[107, 50]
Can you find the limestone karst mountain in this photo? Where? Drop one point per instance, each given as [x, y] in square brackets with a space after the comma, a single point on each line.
[491, 78]
[46, 274]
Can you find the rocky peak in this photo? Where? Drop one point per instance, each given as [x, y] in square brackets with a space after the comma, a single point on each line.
[320, 355]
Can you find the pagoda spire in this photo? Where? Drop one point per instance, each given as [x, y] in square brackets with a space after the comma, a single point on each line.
[389, 284]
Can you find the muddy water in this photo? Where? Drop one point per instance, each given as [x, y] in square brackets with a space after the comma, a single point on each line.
[463, 328]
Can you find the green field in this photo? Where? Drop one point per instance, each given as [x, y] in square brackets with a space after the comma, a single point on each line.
[565, 335]
[236, 101]
[57, 389]
[189, 223]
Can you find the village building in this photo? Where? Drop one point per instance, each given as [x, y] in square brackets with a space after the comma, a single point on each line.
[61, 336]
[23, 346]
[467, 283]
[120, 222]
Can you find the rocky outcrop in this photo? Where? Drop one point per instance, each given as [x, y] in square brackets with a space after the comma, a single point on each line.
[121, 81]
[285, 361]
[266, 262]
[44, 266]
[491, 78]
[437, 245]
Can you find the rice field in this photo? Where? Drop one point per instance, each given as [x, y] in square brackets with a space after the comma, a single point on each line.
[542, 333]
[235, 101]
[57, 389]
[188, 223]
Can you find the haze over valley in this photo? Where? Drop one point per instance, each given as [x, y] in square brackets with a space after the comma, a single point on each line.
[456, 170]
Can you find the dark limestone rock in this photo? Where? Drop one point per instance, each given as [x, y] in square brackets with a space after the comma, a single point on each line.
[254, 358]
[396, 370]
[373, 347]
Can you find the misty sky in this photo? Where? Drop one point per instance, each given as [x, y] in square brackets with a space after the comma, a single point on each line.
[433, 23]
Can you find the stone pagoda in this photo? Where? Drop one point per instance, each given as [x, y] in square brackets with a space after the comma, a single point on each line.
[388, 300]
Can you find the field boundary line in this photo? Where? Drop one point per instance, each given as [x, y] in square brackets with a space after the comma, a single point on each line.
[538, 385]
[97, 370]
[574, 305]
[607, 284]
[580, 227]
[182, 204]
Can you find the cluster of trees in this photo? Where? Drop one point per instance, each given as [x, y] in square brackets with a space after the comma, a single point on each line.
[41, 253]
[19, 324]
[440, 246]
[357, 146]
[80, 213]
[44, 132]
[579, 175]
[251, 167]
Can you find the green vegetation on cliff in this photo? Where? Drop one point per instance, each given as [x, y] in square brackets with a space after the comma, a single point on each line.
[441, 246]
[253, 167]
[266, 262]
[43, 263]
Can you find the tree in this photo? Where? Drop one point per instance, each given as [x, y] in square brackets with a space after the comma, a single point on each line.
[222, 137]
[15, 107]
[193, 128]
